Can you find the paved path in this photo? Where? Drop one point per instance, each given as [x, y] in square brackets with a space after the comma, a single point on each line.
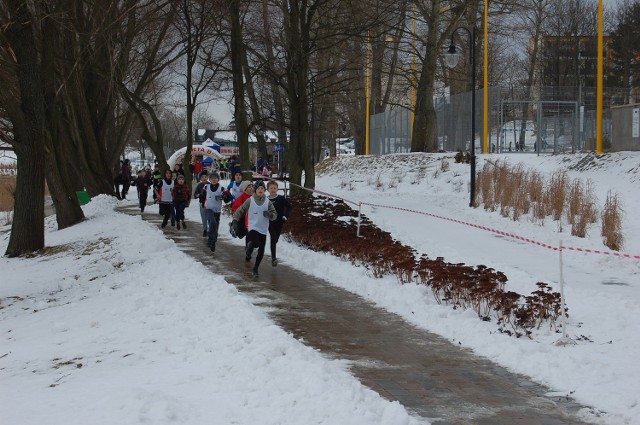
[423, 371]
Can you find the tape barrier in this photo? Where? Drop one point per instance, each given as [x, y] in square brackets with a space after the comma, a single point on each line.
[511, 235]
[477, 226]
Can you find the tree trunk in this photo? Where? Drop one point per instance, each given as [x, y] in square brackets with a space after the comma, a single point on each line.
[533, 60]
[424, 137]
[68, 211]
[425, 130]
[297, 33]
[240, 114]
[27, 230]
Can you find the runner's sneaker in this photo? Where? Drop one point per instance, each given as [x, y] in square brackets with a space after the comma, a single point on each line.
[274, 262]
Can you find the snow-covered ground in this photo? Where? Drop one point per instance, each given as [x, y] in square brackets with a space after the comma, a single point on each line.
[113, 324]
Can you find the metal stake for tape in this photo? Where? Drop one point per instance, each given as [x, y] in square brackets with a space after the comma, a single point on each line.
[565, 340]
[359, 208]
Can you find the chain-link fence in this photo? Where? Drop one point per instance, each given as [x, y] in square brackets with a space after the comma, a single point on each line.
[552, 119]
[390, 132]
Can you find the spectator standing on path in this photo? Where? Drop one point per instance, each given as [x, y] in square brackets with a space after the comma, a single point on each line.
[260, 164]
[283, 208]
[266, 171]
[163, 192]
[224, 169]
[211, 198]
[234, 166]
[125, 172]
[234, 186]
[143, 183]
[204, 179]
[196, 168]
[180, 194]
[177, 168]
[258, 211]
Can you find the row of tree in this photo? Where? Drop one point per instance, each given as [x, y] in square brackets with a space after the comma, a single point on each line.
[83, 79]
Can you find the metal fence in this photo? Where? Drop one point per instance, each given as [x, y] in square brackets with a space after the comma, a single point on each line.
[390, 132]
[554, 119]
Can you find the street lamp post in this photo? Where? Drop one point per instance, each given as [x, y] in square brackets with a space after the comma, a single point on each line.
[452, 58]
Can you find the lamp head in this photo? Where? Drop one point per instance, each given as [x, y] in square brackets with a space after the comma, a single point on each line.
[452, 57]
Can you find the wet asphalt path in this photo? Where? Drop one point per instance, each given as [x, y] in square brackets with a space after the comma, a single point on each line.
[430, 376]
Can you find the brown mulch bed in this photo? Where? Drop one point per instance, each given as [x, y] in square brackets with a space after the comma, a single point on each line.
[330, 225]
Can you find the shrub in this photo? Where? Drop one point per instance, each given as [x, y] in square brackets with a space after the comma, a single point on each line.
[462, 286]
[444, 165]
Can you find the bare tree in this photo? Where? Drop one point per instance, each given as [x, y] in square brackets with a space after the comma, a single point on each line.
[440, 22]
[20, 54]
[626, 50]
[531, 18]
[198, 25]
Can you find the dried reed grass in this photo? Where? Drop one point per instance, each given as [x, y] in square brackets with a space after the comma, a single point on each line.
[611, 217]
[7, 192]
[485, 184]
[517, 192]
[581, 211]
[557, 194]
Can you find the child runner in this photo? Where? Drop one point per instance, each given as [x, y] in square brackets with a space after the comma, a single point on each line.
[234, 186]
[196, 195]
[259, 211]
[181, 195]
[283, 208]
[211, 198]
[143, 182]
[246, 191]
[163, 191]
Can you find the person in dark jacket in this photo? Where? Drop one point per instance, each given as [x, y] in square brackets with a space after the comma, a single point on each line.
[125, 172]
[181, 195]
[143, 183]
[177, 168]
[234, 166]
[283, 208]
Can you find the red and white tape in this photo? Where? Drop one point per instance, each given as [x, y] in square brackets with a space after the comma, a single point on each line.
[488, 229]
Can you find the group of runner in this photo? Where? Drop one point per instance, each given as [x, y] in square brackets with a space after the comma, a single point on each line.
[258, 209]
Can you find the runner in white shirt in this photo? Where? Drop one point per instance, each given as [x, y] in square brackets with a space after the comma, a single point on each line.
[259, 211]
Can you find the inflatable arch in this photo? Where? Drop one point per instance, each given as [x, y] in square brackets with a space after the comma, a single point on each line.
[195, 150]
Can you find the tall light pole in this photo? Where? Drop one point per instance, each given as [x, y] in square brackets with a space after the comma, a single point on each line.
[452, 58]
[414, 70]
[367, 142]
[485, 74]
[599, 88]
